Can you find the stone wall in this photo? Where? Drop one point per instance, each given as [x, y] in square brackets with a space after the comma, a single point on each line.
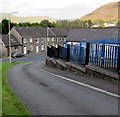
[90, 69]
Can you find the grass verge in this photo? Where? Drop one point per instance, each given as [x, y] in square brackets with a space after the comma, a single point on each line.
[11, 104]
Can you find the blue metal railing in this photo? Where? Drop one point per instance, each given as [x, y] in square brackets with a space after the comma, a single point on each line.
[104, 55]
[77, 54]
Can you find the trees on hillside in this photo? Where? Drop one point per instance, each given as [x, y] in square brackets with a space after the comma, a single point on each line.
[46, 23]
[59, 24]
[73, 24]
[100, 23]
[5, 30]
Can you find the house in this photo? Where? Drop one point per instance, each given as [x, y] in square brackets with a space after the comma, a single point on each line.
[83, 35]
[2, 47]
[4, 44]
[106, 25]
[36, 39]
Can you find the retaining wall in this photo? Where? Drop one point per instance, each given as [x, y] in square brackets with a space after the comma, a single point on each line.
[90, 69]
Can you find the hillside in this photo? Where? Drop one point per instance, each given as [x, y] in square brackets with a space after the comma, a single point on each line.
[108, 12]
[32, 19]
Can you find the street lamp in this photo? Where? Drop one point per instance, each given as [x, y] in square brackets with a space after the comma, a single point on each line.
[47, 38]
[48, 30]
[9, 36]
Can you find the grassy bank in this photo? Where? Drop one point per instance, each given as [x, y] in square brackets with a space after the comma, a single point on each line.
[11, 105]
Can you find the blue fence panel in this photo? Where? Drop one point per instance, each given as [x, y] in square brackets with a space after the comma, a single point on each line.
[104, 55]
[74, 53]
[64, 52]
[77, 54]
[82, 54]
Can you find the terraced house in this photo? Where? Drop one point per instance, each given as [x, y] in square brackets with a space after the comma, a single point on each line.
[4, 45]
[36, 39]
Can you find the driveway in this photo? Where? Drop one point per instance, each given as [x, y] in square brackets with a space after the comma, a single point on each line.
[47, 94]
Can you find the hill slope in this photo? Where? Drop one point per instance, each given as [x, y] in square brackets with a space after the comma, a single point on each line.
[108, 12]
[32, 19]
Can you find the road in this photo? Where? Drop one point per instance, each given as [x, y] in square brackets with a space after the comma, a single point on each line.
[46, 94]
[34, 57]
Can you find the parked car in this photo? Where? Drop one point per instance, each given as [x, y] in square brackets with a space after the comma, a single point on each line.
[17, 54]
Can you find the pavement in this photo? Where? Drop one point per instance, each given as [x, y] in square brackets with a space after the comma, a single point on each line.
[46, 94]
[84, 78]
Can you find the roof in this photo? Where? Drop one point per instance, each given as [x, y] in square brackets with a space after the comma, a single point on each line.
[14, 41]
[107, 40]
[40, 32]
[90, 34]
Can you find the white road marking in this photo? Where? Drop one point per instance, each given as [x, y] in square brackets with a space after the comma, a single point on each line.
[81, 84]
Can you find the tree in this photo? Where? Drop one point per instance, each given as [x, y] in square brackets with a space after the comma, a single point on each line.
[63, 24]
[5, 29]
[90, 23]
[0, 28]
[100, 23]
[46, 23]
[118, 23]
[77, 23]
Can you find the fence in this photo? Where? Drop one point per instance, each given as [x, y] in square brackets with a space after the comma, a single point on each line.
[53, 52]
[63, 53]
[77, 54]
[104, 55]
[58, 53]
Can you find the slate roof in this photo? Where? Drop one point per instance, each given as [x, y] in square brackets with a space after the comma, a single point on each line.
[40, 32]
[14, 41]
[90, 34]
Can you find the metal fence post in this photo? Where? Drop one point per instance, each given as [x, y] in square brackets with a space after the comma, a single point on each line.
[58, 52]
[68, 53]
[118, 65]
[103, 55]
[87, 54]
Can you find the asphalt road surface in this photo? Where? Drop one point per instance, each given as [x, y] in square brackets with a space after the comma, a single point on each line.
[45, 94]
[33, 57]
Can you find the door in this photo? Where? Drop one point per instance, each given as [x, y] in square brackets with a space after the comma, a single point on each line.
[37, 49]
[25, 50]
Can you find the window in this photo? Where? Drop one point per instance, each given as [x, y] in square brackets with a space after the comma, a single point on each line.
[13, 40]
[64, 39]
[37, 40]
[52, 39]
[57, 39]
[53, 44]
[56, 46]
[42, 47]
[31, 48]
[31, 40]
[48, 39]
[42, 40]
[24, 40]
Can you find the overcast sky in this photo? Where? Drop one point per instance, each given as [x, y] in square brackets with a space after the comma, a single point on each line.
[59, 9]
